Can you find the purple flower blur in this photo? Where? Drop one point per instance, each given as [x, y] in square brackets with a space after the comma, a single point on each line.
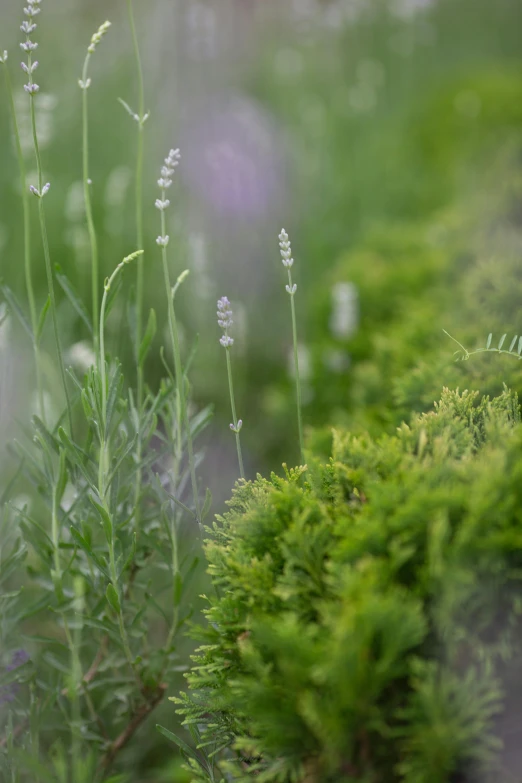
[233, 160]
[8, 692]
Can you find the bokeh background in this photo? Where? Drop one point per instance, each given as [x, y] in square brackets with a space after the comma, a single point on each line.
[384, 135]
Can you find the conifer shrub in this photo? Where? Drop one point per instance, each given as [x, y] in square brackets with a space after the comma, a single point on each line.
[365, 607]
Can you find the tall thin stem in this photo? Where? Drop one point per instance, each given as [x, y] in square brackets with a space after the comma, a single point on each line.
[234, 416]
[47, 255]
[88, 205]
[105, 456]
[296, 368]
[180, 378]
[139, 240]
[27, 244]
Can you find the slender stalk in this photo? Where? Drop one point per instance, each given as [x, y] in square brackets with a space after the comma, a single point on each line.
[180, 385]
[55, 533]
[234, 416]
[296, 369]
[93, 241]
[286, 256]
[27, 244]
[73, 691]
[175, 598]
[139, 240]
[47, 254]
[104, 456]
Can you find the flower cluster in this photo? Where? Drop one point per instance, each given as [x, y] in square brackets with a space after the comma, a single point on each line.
[224, 314]
[28, 27]
[286, 257]
[8, 692]
[95, 40]
[165, 181]
[167, 170]
[286, 250]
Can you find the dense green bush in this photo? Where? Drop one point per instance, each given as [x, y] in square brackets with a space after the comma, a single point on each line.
[364, 608]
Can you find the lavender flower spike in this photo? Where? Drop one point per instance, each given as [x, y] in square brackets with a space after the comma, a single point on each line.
[224, 315]
[285, 249]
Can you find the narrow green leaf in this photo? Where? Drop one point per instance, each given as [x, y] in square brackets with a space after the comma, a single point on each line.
[62, 478]
[519, 348]
[513, 341]
[17, 310]
[41, 320]
[105, 520]
[148, 337]
[179, 742]
[86, 547]
[73, 297]
[501, 341]
[52, 444]
[207, 503]
[490, 337]
[112, 597]
[76, 455]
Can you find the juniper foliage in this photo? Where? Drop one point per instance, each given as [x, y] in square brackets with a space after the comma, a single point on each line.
[365, 608]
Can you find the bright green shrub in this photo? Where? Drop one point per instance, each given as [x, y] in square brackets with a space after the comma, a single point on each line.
[364, 607]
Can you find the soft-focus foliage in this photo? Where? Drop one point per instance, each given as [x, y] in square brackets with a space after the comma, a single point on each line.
[365, 607]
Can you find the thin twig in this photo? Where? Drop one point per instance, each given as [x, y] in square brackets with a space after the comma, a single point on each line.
[142, 712]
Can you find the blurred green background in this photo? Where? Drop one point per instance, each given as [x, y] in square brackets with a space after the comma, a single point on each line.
[384, 135]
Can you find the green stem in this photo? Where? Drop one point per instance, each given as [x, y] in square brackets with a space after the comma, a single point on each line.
[234, 417]
[55, 533]
[48, 267]
[140, 267]
[88, 206]
[27, 244]
[296, 370]
[73, 642]
[175, 599]
[104, 456]
[174, 336]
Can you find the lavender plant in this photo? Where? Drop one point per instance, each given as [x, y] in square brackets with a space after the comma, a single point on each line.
[100, 549]
[224, 314]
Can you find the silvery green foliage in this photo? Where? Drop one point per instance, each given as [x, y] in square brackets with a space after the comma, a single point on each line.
[92, 681]
[99, 539]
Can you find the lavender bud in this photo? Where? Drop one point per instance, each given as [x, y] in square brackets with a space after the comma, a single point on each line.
[84, 85]
[46, 188]
[3, 57]
[164, 183]
[173, 158]
[226, 341]
[29, 68]
[162, 241]
[31, 88]
[162, 204]
[31, 11]
[291, 289]
[29, 46]
[27, 27]
[34, 190]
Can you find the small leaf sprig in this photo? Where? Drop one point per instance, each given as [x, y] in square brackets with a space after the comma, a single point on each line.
[463, 354]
